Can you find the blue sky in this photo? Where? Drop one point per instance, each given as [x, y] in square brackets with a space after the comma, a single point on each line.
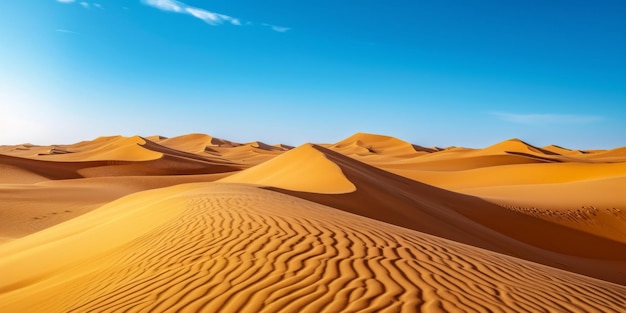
[469, 73]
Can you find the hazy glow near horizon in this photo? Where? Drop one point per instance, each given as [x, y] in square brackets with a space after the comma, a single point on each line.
[430, 72]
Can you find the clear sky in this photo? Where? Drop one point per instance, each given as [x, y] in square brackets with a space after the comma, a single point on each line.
[469, 73]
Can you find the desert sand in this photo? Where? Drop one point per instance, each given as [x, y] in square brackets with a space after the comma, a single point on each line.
[369, 224]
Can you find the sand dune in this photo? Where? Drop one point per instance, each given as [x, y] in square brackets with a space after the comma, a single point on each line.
[362, 144]
[301, 169]
[182, 154]
[516, 146]
[156, 138]
[400, 201]
[250, 154]
[105, 148]
[512, 151]
[512, 147]
[284, 146]
[119, 148]
[118, 156]
[230, 248]
[246, 155]
[402, 157]
[195, 143]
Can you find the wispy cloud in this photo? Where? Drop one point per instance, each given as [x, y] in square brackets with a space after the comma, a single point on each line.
[546, 118]
[209, 17]
[61, 30]
[279, 29]
[84, 4]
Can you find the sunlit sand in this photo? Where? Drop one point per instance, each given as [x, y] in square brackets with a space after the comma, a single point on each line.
[368, 224]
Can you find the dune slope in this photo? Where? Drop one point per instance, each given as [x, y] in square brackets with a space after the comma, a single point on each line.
[234, 248]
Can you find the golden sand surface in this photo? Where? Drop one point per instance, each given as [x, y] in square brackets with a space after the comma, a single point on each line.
[369, 224]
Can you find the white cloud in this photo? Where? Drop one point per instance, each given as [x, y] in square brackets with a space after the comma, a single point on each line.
[546, 118]
[211, 18]
[84, 4]
[97, 5]
[65, 1]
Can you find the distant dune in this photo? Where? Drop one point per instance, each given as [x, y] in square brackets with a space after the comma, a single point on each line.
[371, 223]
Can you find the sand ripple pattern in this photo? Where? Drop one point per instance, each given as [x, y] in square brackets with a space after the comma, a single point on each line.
[243, 249]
